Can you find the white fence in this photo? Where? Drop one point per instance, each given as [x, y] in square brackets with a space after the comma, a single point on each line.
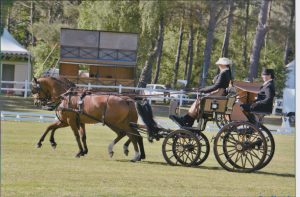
[27, 116]
[26, 90]
[25, 87]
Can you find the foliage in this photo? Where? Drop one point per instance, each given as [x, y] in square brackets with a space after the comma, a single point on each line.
[142, 17]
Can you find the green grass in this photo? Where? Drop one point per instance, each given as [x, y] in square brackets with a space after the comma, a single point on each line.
[28, 171]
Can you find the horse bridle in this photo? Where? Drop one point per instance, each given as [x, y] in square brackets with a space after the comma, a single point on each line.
[37, 90]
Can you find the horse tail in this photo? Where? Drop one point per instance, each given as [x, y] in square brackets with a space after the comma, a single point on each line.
[145, 111]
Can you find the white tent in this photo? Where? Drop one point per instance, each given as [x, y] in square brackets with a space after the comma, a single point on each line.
[15, 62]
[10, 46]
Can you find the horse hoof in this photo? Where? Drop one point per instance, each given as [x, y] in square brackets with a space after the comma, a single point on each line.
[39, 145]
[85, 152]
[126, 152]
[133, 161]
[111, 154]
[53, 145]
[142, 157]
[79, 154]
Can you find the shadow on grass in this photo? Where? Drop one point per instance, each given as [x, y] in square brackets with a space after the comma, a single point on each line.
[277, 174]
[145, 162]
[211, 168]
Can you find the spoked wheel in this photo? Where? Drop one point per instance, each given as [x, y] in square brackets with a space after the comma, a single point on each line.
[204, 148]
[270, 146]
[240, 147]
[181, 147]
[221, 120]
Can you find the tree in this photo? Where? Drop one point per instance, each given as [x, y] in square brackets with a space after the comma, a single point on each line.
[146, 73]
[176, 65]
[213, 17]
[288, 51]
[191, 55]
[159, 48]
[246, 21]
[228, 29]
[258, 41]
[5, 6]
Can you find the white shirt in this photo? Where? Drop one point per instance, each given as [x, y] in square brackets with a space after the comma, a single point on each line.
[267, 81]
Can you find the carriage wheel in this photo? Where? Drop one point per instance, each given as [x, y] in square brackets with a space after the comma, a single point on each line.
[181, 147]
[221, 120]
[204, 149]
[240, 147]
[270, 146]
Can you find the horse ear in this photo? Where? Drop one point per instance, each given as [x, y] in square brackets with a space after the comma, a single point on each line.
[35, 80]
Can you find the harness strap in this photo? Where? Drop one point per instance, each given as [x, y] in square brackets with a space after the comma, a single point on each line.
[104, 113]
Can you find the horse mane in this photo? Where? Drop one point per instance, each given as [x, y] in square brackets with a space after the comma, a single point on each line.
[63, 82]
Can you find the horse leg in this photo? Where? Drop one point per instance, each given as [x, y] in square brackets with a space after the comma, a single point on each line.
[137, 154]
[141, 145]
[132, 134]
[139, 140]
[83, 138]
[52, 140]
[125, 147]
[74, 128]
[53, 126]
[120, 135]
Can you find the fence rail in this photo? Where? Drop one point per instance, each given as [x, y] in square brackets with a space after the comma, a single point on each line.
[160, 97]
[27, 116]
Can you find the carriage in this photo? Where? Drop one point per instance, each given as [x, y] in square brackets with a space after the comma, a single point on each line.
[240, 145]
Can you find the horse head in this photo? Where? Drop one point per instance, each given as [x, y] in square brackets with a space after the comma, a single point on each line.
[42, 92]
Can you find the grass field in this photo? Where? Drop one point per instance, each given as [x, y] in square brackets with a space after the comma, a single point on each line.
[28, 171]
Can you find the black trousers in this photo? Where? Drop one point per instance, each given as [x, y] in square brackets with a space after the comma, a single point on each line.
[249, 115]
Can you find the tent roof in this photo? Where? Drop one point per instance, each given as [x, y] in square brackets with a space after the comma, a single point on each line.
[10, 46]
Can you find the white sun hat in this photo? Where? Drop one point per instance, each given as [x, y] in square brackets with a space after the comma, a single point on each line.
[224, 61]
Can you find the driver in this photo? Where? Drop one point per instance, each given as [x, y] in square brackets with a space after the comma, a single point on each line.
[265, 96]
[221, 82]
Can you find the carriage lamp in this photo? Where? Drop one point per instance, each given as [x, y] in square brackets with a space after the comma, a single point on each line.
[214, 105]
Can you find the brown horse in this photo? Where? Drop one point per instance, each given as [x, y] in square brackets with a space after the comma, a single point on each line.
[116, 111]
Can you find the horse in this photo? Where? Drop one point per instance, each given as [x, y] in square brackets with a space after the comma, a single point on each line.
[119, 112]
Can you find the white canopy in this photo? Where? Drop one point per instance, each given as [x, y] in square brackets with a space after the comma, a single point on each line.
[10, 46]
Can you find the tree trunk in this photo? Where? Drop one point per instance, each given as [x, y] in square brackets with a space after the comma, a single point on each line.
[8, 22]
[225, 46]
[209, 42]
[267, 33]
[191, 55]
[160, 47]
[258, 41]
[146, 74]
[187, 60]
[31, 21]
[197, 61]
[176, 66]
[288, 50]
[245, 58]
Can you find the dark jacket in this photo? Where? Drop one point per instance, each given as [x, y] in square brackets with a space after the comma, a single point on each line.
[220, 81]
[265, 97]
